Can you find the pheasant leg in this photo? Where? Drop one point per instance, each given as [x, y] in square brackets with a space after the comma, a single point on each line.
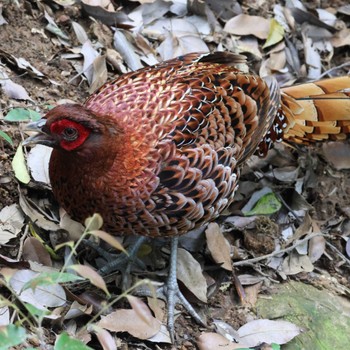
[173, 294]
[121, 262]
[124, 261]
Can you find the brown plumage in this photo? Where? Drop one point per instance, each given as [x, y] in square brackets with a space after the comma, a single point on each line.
[157, 152]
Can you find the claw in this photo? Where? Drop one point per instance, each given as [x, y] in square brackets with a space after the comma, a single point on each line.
[174, 295]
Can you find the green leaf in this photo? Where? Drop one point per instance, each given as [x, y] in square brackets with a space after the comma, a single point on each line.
[64, 342]
[19, 166]
[49, 278]
[276, 34]
[34, 311]
[267, 204]
[22, 115]
[6, 137]
[11, 335]
[275, 346]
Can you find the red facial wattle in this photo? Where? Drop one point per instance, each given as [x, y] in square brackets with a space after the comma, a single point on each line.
[60, 129]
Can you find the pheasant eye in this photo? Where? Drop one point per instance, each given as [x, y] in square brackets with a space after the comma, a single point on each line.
[70, 134]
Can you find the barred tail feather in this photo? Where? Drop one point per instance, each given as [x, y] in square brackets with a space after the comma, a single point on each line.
[317, 111]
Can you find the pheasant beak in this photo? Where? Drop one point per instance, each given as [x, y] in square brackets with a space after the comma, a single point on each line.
[41, 137]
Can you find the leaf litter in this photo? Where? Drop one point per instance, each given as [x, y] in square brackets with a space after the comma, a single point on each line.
[305, 199]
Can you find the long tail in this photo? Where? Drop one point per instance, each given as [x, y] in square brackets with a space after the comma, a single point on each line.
[317, 111]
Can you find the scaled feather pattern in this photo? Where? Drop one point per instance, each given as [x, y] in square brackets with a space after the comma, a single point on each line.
[158, 151]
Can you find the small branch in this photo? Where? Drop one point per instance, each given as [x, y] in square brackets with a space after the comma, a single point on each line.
[339, 253]
[334, 68]
[286, 250]
[21, 243]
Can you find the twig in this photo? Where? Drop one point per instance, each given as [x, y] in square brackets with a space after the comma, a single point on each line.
[339, 253]
[297, 218]
[21, 243]
[286, 250]
[334, 68]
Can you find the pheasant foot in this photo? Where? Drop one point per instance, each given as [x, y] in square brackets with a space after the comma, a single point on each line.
[120, 262]
[170, 292]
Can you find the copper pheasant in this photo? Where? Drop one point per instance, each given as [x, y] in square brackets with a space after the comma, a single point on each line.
[158, 151]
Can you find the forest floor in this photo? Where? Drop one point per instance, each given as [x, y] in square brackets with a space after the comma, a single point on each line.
[56, 51]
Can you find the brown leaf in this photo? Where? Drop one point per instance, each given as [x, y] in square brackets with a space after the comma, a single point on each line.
[105, 338]
[38, 163]
[35, 214]
[90, 54]
[74, 228]
[295, 263]
[92, 275]
[211, 341]
[99, 76]
[266, 331]
[130, 321]
[248, 25]
[12, 89]
[11, 222]
[218, 246]
[126, 50]
[189, 272]
[317, 245]
[162, 336]
[226, 330]
[251, 294]
[158, 307]
[43, 296]
[337, 153]
[103, 15]
[34, 250]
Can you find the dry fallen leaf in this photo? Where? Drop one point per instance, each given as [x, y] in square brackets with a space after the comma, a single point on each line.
[92, 275]
[90, 54]
[211, 341]
[12, 89]
[266, 331]
[317, 248]
[248, 25]
[218, 246]
[105, 338]
[178, 36]
[126, 50]
[341, 38]
[34, 250]
[43, 296]
[337, 153]
[4, 316]
[312, 56]
[35, 214]
[251, 294]
[11, 223]
[226, 330]
[38, 163]
[295, 263]
[99, 76]
[19, 166]
[189, 272]
[140, 324]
